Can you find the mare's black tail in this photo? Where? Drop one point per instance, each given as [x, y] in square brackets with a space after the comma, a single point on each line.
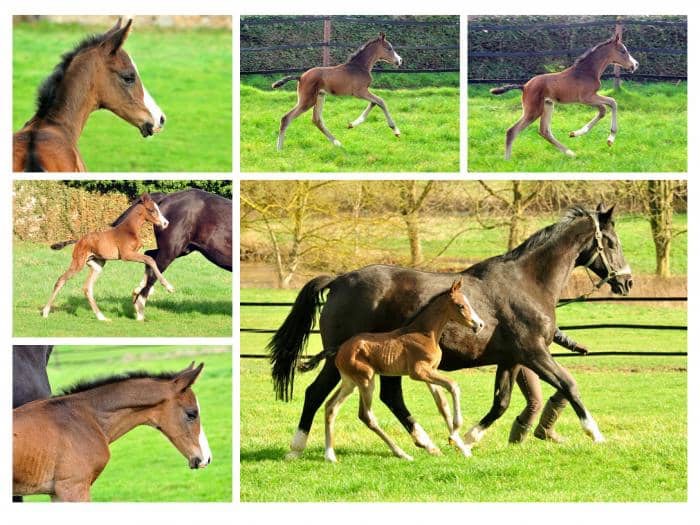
[61, 245]
[289, 340]
[503, 89]
[282, 81]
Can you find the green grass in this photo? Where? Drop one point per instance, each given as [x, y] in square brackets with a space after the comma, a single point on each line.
[428, 119]
[652, 132]
[144, 466]
[639, 403]
[188, 73]
[379, 81]
[200, 306]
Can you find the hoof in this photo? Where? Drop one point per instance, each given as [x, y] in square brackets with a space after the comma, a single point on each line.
[101, 317]
[45, 312]
[434, 451]
[350, 126]
[474, 435]
[548, 435]
[569, 153]
[610, 142]
[336, 142]
[572, 133]
[330, 456]
[170, 288]
[292, 455]
[405, 457]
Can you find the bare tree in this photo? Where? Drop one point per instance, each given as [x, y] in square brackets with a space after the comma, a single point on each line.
[413, 194]
[660, 199]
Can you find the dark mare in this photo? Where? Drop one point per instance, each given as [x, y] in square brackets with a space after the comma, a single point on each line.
[515, 294]
[198, 221]
[29, 378]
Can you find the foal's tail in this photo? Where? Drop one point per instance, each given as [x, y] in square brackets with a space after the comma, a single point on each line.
[310, 362]
[283, 81]
[289, 341]
[61, 245]
[507, 87]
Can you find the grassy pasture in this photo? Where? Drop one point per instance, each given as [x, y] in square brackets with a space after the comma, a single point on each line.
[631, 398]
[200, 306]
[652, 132]
[188, 73]
[144, 466]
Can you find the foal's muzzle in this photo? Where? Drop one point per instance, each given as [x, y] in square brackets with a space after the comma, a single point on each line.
[146, 129]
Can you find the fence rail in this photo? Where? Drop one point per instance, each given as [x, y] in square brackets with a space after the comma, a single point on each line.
[562, 302]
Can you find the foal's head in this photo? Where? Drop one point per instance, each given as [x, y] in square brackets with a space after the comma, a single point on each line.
[117, 83]
[152, 212]
[177, 417]
[619, 55]
[461, 311]
[384, 51]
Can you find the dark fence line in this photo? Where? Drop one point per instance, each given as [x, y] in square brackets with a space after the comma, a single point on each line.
[340, 45]
[593, 23]
[374, 71]
[564, 52]
[353, 19]
[626, 76]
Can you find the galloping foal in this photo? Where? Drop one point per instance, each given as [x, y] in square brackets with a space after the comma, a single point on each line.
[576, 84]
[121, 242]
[351, 78]
[411, 350]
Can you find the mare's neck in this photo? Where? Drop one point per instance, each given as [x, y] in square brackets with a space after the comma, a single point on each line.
[432, 319]
[120, 407]
[551, 264]
[74, 101]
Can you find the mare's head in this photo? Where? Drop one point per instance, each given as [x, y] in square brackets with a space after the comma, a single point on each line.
[618, 54]
[604, 254]
[385, 52]
[461, 311]
[152, 212]
[116, 82]
[178, 417]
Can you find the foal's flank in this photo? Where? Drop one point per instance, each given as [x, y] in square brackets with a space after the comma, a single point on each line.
[350, 78]
[412, 350]
[121, 242]
[576, 84]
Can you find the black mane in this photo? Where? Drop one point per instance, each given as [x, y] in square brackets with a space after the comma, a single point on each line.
[583, 58]
[89, 384]
[46, 96]
[362, 49]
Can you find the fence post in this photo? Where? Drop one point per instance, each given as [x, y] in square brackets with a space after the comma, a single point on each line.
[326, 42]
[616, 68]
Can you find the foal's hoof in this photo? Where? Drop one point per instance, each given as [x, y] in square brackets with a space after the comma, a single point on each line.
[405, 456]
[292, 455]
[434, 451]
[350, 126]
[569, 153]
[170, 288]
[336, 142]
[330, 456]
[45, 312]
[397, 133]
[572, 133]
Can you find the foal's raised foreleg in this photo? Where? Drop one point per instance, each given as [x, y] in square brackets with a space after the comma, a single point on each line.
[318, 119]
[363, 116]
[585, 129]
[608, 101]
[546, 128]
[374, 99]
[95, 270]
[139, 257]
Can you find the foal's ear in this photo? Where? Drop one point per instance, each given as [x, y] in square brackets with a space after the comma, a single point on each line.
[115, 41]
[618, 35]
[382, 35]
[145, 197]
[457, 285]
[114, 27]
[187, 377]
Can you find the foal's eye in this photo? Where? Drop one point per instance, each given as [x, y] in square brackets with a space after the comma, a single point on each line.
[129, 78]
[192, 415]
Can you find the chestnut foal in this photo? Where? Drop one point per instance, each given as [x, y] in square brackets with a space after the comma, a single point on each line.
[351, 78]
[60, 445]
[97, 74]
[576, 84]
[121, 242]
[411, 350]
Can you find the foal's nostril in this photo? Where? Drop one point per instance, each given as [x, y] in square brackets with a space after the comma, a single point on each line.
[162, 120]
[629, 284]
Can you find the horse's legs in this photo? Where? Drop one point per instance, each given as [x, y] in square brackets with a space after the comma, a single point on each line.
[501, 399]
[332, 407]
[550, 371]
[367, 416]
[304, 103]
[359, 120]
[163, 257]
[374, 99]
[546, 128]
[529, 116]
[391, 395]
[608, 101]
[77, 263]
[318, 119]
[316, 392]
[529, 384]
[585, 129]
[147, 259]
[95, 270]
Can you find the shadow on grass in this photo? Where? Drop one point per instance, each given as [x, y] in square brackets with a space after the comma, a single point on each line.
[316, 454]
[78, 306]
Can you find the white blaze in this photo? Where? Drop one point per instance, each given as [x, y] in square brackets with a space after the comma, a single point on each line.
[397, 58]
[155, 111]
[203, 443]
[161, 218]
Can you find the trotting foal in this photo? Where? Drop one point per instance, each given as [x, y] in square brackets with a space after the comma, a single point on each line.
[351, 78]
[412, 350]
[121, 242]
[576, 84]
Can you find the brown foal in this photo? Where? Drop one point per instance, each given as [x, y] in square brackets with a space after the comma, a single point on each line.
[97, 74]
[121, 242]
[60, 445]
[576, 84]
[412, 350]
[351, 78]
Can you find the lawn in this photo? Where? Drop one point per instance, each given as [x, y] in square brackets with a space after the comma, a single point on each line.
[428, 118]
[652, 132]
[631, 398]
[200, 306]
[144, 466]
[188, 73]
